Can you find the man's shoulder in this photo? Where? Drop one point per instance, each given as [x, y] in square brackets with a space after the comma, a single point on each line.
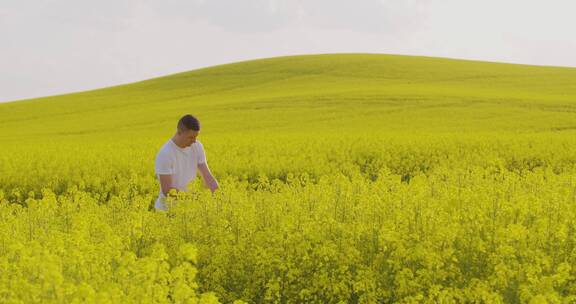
[197, 146]
[166, 148]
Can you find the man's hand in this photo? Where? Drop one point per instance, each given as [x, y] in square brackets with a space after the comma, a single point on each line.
[209, 180]
[166, 183]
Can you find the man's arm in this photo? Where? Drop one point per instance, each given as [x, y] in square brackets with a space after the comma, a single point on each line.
[209, 180]
[166, 183]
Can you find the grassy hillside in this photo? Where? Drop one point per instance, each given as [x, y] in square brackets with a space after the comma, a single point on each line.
[350, 93]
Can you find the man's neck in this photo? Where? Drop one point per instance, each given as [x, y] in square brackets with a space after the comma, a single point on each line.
[175, 141]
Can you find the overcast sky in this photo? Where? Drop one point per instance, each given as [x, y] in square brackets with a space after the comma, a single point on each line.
[50, 47]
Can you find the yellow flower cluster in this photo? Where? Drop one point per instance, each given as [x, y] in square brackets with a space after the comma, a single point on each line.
[325, 219]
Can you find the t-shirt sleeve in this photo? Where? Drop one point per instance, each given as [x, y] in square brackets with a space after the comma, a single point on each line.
[201, 155]
[164, 164]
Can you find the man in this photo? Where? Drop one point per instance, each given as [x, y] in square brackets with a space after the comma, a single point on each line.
[178, 159]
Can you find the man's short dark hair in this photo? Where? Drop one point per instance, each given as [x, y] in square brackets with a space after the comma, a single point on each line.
[188, 122]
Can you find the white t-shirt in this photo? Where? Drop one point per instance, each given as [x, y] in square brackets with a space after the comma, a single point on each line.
[181, 163]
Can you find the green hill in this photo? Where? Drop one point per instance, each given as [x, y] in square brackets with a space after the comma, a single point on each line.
[337, 92]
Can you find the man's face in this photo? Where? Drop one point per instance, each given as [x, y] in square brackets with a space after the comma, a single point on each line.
[189, 137]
